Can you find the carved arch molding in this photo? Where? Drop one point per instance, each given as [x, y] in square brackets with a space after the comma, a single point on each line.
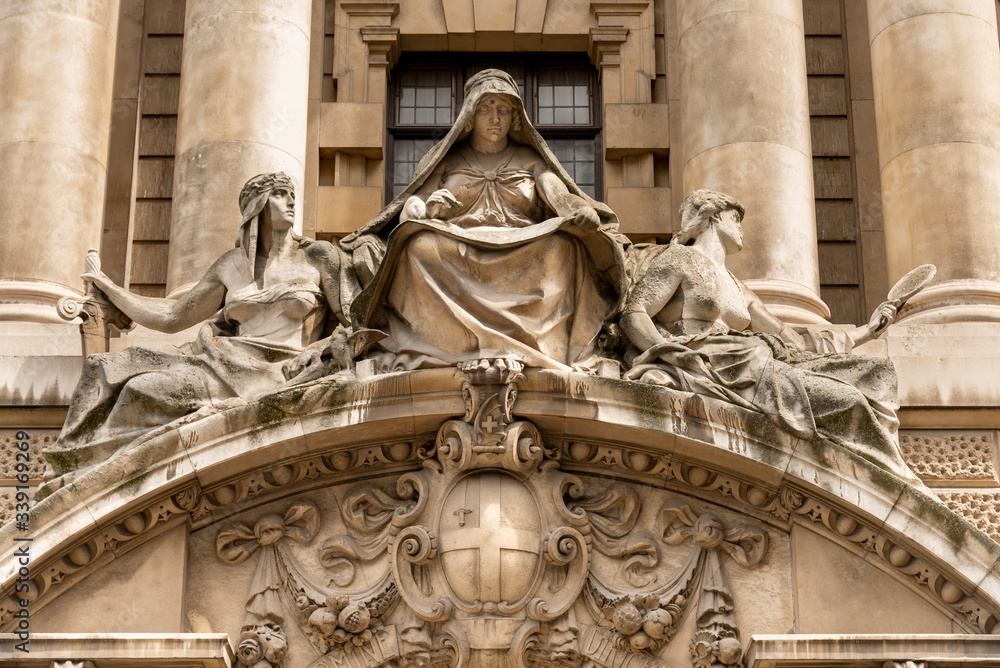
[499, 518]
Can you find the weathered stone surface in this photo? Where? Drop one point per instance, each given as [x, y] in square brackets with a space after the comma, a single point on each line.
[943, 456]
[980, 508]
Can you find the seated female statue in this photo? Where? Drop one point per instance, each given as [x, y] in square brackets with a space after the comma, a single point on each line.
[493, 250]
[276, 296]
[703, 331]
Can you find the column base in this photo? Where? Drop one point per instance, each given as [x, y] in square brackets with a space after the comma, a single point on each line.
[791, 302]
[969, 300]
[34, 301]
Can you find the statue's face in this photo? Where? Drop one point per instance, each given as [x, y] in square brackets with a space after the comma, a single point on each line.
[493, 118]
[730, 230]
[281, 207]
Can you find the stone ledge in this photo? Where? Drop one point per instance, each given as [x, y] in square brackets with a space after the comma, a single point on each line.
[870, 651]
[194, 650]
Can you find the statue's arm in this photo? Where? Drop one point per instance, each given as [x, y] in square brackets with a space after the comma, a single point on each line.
[649, 296]
[762, 320]
[883, 316]
[168, 315]
[564, 203]
[327, 258]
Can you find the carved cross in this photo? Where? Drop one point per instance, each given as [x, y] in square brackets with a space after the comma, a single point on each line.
[489, 424]
[490, 538]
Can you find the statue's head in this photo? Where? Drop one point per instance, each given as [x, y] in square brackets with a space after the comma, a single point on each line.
[703, 208]
[256, 191]
[254, 197]
[498, 107]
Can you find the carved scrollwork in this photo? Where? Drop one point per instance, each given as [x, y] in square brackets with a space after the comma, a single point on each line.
[409, 556]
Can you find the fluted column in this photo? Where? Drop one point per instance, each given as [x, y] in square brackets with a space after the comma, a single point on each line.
[936, 77]
[57, 64]
[745, 128]
[243, 111]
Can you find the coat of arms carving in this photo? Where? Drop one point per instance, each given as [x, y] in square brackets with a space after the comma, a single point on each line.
[489, 548]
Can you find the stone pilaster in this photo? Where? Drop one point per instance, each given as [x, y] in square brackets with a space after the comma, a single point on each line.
[936, 77]
[623, 48]
[745, 124]
[57, 65]
[352, 129]
[243, 111]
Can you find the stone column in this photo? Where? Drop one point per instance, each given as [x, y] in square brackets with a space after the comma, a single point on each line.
[243, 110]
[745, 128]
[936, 77]
[57, 62]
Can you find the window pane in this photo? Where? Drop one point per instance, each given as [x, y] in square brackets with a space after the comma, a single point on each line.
[577, 156]
[425, 96]
[563, 96]
[408, 153]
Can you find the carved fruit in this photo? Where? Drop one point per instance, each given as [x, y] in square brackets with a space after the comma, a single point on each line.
[639, 640]
[355, 618]
[627, 619]
[729, 651]
[323, 619]
[657, 623]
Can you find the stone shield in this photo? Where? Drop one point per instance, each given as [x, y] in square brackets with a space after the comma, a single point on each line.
[490, 538]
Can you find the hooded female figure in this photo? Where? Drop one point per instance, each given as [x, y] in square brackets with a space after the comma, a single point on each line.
[275, 297]
[494, 250]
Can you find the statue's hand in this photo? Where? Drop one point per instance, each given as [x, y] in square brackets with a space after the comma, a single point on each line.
[586, 219]
[441, 203]
[101, 281]
[884, 315]
[413, 209]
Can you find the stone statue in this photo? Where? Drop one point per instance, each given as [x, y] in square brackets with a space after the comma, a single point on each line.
[493, 250]
[702, 330]
[279, 319]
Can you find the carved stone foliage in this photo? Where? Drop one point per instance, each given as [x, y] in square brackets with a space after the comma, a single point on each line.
[488, 542]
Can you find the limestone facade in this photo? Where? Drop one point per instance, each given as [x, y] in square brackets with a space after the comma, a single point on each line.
[860, 134]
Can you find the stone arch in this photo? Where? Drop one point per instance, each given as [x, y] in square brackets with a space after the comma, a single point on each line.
[207, 469]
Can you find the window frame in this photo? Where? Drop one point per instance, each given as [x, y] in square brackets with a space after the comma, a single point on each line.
[531, 62]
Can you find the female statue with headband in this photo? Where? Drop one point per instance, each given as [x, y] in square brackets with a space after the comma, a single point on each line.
[276, 298]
